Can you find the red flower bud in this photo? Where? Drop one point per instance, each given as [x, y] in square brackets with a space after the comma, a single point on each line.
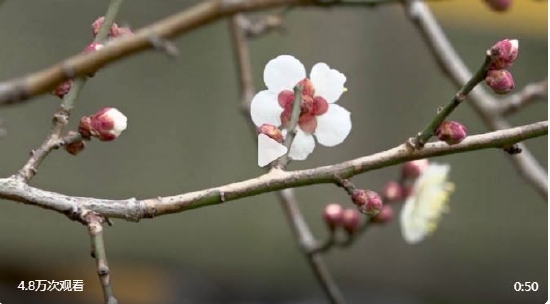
[451, 132]
[94, 46]
[63, 89]
[75, 147]
[504, 53]
[99, 22]
[501, 81]
[351, 221]
[393, 192]
[333, 215]
[499, 5]
[272, 131]
[367, 201]
[385, 215]
[106, 124]
[413, 169]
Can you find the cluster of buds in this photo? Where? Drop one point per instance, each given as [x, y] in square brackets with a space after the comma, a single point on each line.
[503, 54]
[271, 131]
[114, 31]
[367, 201]
[106, 124]
[499, 5]
[451, 132]
[336, 216]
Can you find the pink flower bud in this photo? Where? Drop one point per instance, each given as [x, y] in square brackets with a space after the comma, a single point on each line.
[385, 215]
[413, 169]
[393, 192]
[451, 132]
[122, 31]
[63, 89]
[272, 131]
[501, 81]
[333, 215]
[106, 124]
[367, 201]
[99, 22]
[94, 46]
[499, 5]
[75, 147]
[351, 221]
[504, 53]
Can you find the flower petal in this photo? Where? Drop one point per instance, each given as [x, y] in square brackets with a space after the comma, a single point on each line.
[333, 126]
[265, 108]
[302, 145]
[329, 83]
[283, 73]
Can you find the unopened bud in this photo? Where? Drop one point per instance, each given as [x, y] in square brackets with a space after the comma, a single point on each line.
[106, 124]
[75, 147]
[333, 215]
[385, 215]
[367, 201]
[501, 81]
[504, 53]
[94, 46]
[393, 192]
[451, 132]
[63, 89]
[351, 221]
[272, 131]
[413, 168]
[499, 5]
[99, 22]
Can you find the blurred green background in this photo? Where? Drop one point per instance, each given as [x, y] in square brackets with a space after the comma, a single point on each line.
[186, 133]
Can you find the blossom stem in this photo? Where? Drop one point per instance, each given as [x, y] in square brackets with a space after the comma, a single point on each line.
[420, 140]
[282, 161]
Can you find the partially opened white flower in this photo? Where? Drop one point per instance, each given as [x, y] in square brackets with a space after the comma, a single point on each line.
[319, 115]
[427, 202]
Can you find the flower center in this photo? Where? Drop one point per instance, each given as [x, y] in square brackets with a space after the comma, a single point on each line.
[310, 106]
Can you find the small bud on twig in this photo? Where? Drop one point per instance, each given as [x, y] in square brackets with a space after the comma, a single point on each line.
[351, 221]
[333, 216]
[504, 53]
[367, 201]
[106, 124]
[499, 5]
[385, 215]
[451, 132]
[63, 89]
[75, 147]
[413, 169]
[271, 131]
[393, 192]
[501, 81]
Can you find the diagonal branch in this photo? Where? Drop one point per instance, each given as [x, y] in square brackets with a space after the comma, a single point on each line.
[133, 209]
[532, 92]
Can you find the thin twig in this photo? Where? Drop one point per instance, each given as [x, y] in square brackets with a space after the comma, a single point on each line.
[61, 117]
[299, 226]
[94, 222]
[532, 92]
[460, 96]
[481, 101]
[133, 210]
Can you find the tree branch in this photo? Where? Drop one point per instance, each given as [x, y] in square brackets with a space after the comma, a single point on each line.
[537, 91]
[133, 209]
[484, 104]
[94, 222]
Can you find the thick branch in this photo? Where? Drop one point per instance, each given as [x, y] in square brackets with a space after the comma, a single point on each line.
[132, 209]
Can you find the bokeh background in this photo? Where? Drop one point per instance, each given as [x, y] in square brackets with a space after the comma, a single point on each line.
[186, 133]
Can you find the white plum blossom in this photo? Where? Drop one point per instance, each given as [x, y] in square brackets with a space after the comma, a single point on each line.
[427, 202]
[319, 115]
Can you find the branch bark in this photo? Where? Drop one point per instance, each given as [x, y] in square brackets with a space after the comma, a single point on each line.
[133, 209]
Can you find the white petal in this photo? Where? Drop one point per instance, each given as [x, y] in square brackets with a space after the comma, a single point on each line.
[283, 73]
[265, 109]
[328, 83]
[333, 126]
[302, 145]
